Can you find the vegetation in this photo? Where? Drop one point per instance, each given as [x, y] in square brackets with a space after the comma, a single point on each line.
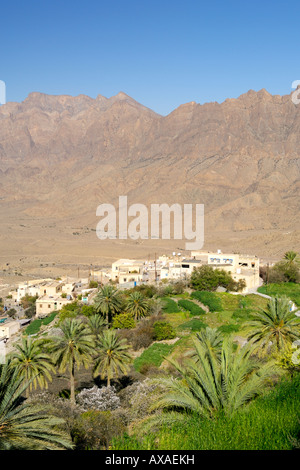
[193, 308]
[32, 363]
[170, 306]
[270, 422]
[137, 305]
[108, 302]
[73, 349]
[207, 278]
[195, 392]
[286, 289]
[22, 425]
[163, 330]
[209, 299]
[154, 355]
[276, 325]
[112, 356]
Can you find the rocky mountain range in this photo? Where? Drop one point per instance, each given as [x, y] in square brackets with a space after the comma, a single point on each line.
[62, 156]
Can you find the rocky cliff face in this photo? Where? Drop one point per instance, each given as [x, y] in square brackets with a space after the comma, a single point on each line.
[61, 156]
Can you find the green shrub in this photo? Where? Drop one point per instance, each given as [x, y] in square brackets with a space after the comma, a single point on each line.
[194, 325]
[155, 355]
[210, 299]
[49, 319]
[193, 308]
[123, 321]
[228, 329]
[170, 306]
[34, 327]
[163, 330]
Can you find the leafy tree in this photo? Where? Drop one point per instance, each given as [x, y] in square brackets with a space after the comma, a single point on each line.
[73, 349]
[32, 363]
[71, 310]
[24, 426]
[206, 278]
[123, 321]
[275, 324]
[112, 356]
[137, 305]
[108, 302]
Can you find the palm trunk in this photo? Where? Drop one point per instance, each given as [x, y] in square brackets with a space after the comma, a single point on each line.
[72, 382]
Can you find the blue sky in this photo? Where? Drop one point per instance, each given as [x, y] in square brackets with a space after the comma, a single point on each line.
[162, 53]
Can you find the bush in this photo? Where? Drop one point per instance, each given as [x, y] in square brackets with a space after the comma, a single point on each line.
[34, 327]
[163, 330]
[94, 430]
[170, 306]
[123, 321]
[155, 354]
[209, 299]
[140, 337]
[93, 284]
[206, 278]
[193, 325]
[228, 329]
[101, 399]
[147, 290]
[193, 308]
[87, 310]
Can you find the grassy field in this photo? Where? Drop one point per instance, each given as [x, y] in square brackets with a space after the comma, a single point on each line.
[154, 355]
[270, 422]
[288, 289]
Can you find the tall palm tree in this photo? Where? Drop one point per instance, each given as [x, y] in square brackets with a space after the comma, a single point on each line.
[73, 349]
[137, 305]
[96, 324]
[108, 302]
[32, 363]
[208, 386]
[112, 356]
[24, 426]
[275, 324]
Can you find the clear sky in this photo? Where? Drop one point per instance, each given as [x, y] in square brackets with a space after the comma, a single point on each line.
[162, 53]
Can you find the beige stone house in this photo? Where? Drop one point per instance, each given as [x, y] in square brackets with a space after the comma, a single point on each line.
[47, 304]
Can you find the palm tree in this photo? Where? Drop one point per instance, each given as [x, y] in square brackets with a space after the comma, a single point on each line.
[108, 302]
[291, 258]
[24, 426]
[276, 324]
[32, 363]
[112, 356]
[96, 324]
[73, 349]
[208, 386]
[137, 305]
[211, 340]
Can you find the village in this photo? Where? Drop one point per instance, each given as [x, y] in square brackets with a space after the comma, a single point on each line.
[52, 294]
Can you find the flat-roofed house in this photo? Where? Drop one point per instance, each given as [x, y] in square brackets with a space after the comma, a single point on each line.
[47, 304]
[127, 270]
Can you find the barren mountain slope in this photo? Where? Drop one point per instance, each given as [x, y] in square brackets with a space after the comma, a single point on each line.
[62, 156]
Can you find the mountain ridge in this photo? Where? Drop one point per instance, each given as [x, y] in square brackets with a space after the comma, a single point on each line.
[61, 156]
